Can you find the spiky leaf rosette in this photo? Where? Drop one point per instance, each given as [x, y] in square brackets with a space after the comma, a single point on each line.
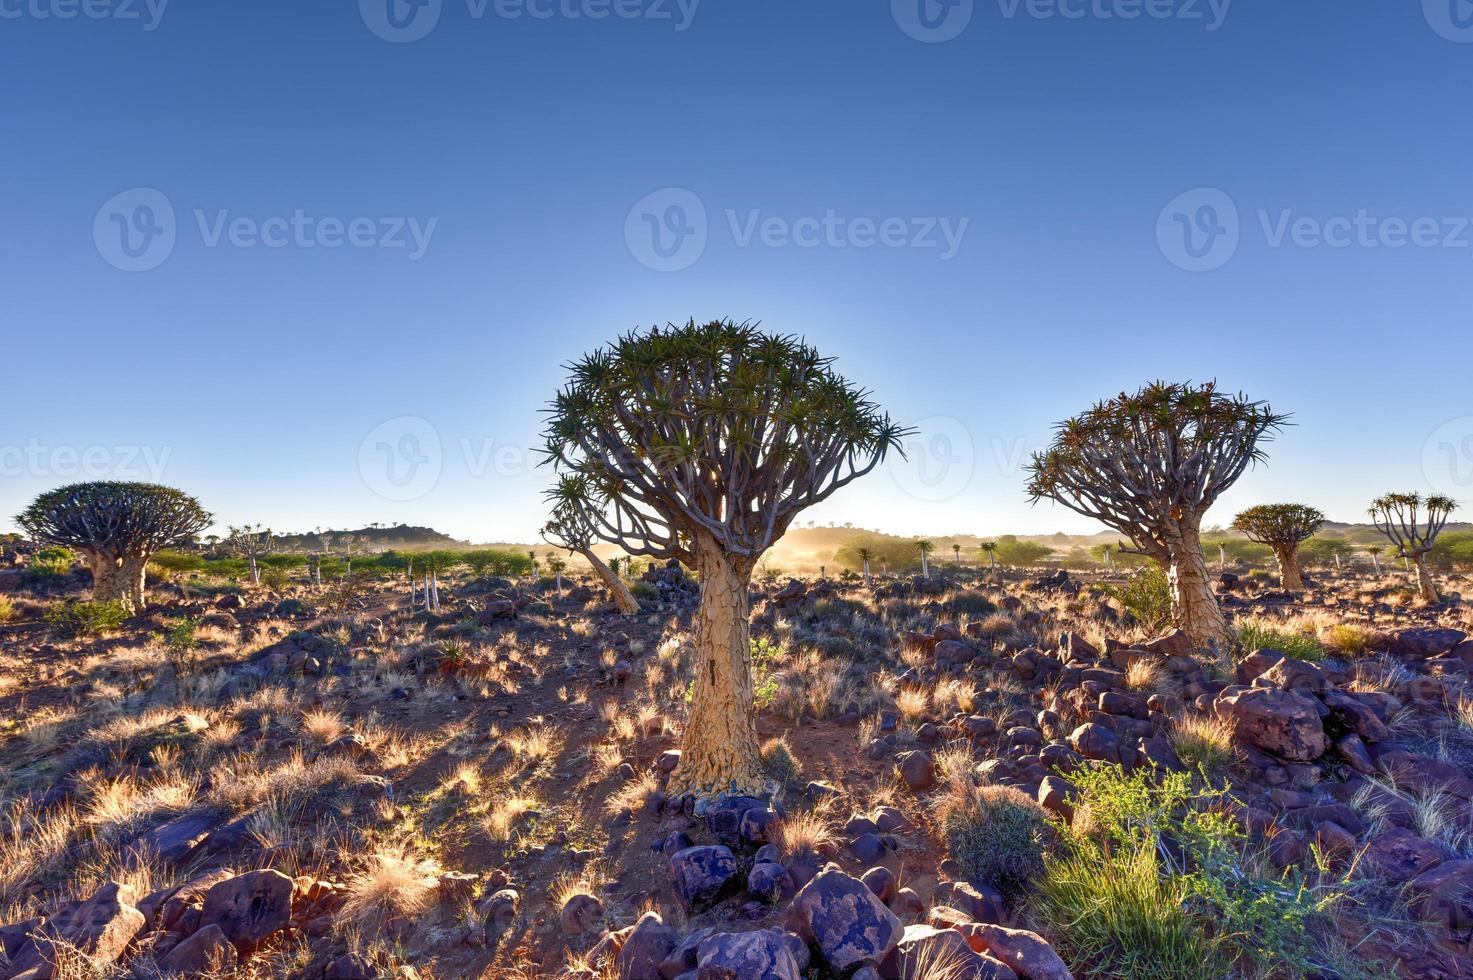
[125, 520]
[717, 429]
[1153, 461]
[1280, 525]
[1401, 517]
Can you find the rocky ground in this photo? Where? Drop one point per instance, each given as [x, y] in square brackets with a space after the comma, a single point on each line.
[333, 784]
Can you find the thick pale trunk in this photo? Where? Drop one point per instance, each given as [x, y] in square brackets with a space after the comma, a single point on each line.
[1425, 585]
[623, 598]
[435, 590]
[925, 567]
[1376, 564]
[1194, 607]
[719, 755]
[868, 581]
[1289, 568]
[118, 580]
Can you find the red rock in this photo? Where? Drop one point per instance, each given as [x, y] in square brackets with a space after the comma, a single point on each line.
[1026, 953]
[206, 951]
[249, 908]
[1444, 894]
[1285, 723]
[1400, 855]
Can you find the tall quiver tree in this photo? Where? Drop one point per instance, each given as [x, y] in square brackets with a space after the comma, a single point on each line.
[1149, 465]
[1413, 523]
[702, 443]
[573, 528]
[115, 527]
[1283, 527]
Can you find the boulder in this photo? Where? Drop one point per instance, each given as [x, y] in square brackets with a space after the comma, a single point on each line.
[767, 953]
[925, 952]
[1400, 855]
[1421, 643]
[205, 951]
[249, 908]
[101, 927]
[645, 948]
[1285, 723]
[1028, 954]
[917, 769]
[701, 874]
[843, 920]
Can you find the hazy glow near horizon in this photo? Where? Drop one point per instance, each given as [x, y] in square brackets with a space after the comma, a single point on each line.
[321, 267]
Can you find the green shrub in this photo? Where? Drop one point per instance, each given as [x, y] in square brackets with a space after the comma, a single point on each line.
[275, 579]
[1120, 908]
[643, 590]
[7, 610]
[1256, 634]
[1147, 597]
[973, 604]
[180, 634]
[53, 561]
[1012, 551]
[87, 618]
[996, 835]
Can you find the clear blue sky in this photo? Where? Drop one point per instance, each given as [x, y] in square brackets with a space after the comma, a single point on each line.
[521, 148]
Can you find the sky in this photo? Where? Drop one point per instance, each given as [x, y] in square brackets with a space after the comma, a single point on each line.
[322, 264]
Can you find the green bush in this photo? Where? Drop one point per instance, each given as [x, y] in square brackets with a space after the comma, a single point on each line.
[53, 561]
[275, 579]
[179, 635]
[1255, 634]
[643, 590]
[1147, 597]
[1120, 907]
[996, 835]
[1011, 551]
[87, 618]
[7, 610]
[780, 763]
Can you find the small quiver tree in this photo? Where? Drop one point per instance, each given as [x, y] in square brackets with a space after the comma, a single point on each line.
[1413, 523]
[1149, 465]
[252, 542]
[573, 528]
[702, 443]
[1283, 527]
[115, 527]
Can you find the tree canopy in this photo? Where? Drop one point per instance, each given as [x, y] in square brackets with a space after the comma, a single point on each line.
[126, 520]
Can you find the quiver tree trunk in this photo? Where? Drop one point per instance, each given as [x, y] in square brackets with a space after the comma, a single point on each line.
[719, 752]
[118, 580]
[1194, 607]
[869, 582]
[1425, 586]
[623, 598]
[1289, 574]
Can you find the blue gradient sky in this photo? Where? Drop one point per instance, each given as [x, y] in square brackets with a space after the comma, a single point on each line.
[255, 373]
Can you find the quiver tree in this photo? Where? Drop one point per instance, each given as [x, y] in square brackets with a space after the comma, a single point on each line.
[1149, 465]
[115, 527]
[865, 556]
[1413, 523]
[1283, 527]
[573, 528]
[925, 548]
[252, 542]
[989, 548]
[702, 443]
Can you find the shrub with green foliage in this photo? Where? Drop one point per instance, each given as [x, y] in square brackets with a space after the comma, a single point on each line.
[75, 618]
[496, 561]
[1147, 596]
[1012, 551]
[53, 561]
[180, 634]
[996, 835]
[1155, 880]
[1258, 634]
[7, 610]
